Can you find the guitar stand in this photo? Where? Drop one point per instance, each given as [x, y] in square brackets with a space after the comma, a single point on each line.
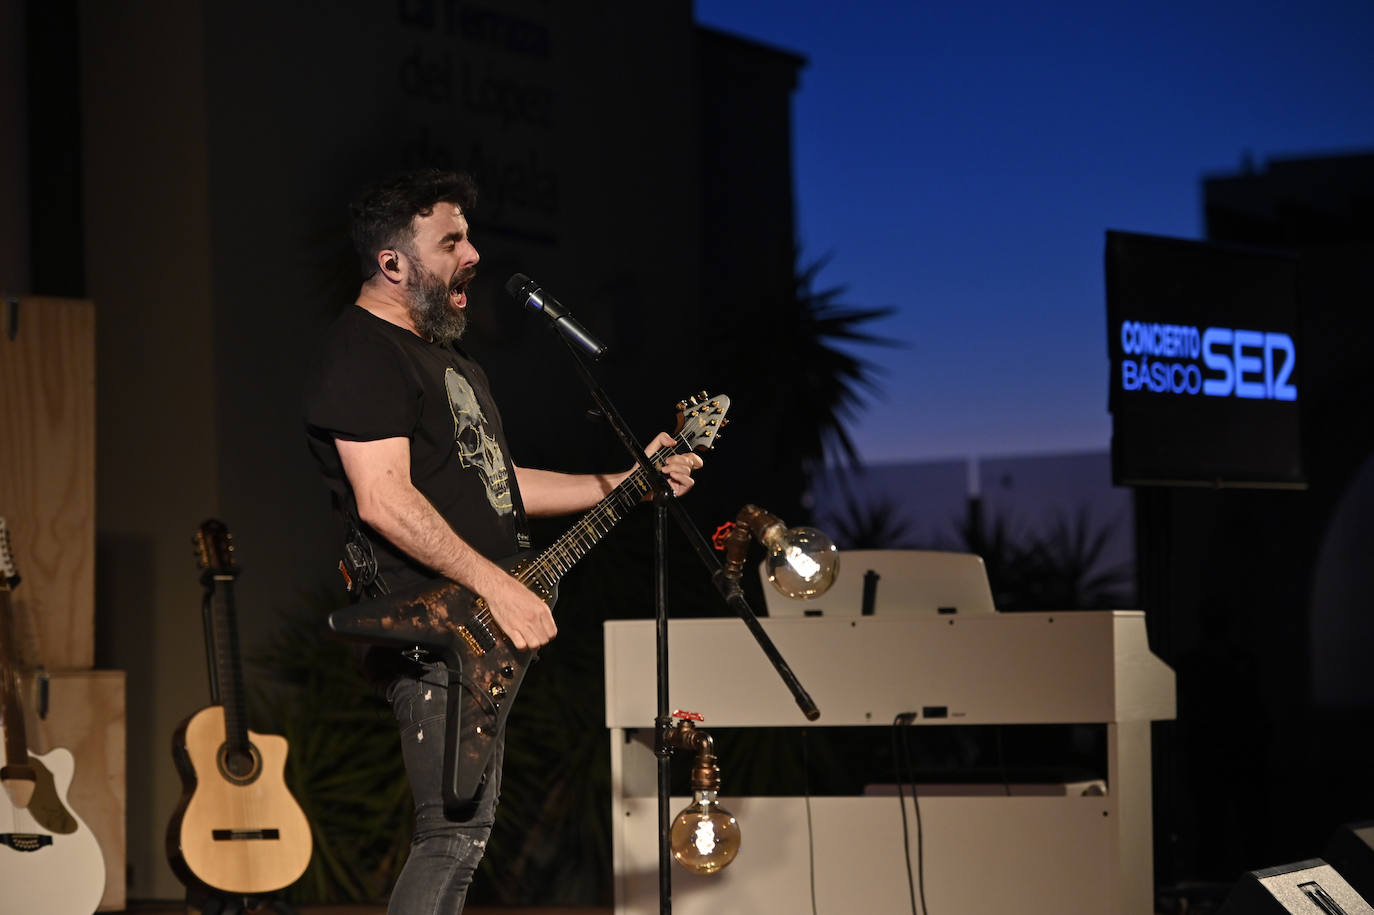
[212, 902]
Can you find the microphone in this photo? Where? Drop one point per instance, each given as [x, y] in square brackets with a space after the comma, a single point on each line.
[527, 292]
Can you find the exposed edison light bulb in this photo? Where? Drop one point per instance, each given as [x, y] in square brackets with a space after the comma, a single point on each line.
[705, 836]
[802, 561]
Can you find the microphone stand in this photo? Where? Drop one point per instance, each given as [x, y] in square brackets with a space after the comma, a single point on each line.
[729, 588]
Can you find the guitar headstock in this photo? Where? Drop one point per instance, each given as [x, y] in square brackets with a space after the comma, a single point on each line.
[700, 419]
[9, 574]
[214, 548]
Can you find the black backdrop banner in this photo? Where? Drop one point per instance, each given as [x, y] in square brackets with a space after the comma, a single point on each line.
[1206, 363]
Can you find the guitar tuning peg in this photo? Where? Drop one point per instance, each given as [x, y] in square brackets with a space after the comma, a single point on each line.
[702, 396]
[681, 405]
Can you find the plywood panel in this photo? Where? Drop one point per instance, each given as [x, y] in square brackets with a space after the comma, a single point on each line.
[47, 475]
[86, 714]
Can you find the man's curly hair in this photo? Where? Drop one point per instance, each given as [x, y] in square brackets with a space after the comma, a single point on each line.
[383, 215]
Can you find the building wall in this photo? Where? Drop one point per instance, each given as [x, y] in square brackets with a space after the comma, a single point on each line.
[1293, 202]
[1256, 597]
[148, 241]
[14, 211]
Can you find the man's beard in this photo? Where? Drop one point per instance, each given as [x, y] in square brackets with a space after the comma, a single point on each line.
[431, 307]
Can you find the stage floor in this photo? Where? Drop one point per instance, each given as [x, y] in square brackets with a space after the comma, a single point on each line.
[166, 908]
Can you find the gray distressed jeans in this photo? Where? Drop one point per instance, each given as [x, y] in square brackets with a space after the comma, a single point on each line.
[444, 854]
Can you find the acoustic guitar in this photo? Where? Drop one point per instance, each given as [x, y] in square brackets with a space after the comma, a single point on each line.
[450, 622]
[50, 860]
[237, 829]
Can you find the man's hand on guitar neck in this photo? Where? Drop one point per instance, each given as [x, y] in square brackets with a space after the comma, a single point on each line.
[677, 468]
[547, 493]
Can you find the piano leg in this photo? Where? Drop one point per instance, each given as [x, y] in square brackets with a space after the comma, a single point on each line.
[1129, 779]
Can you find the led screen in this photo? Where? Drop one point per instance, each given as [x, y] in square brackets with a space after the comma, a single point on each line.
[1206, 363]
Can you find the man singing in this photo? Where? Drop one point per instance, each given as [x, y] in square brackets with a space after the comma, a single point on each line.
[412, 448]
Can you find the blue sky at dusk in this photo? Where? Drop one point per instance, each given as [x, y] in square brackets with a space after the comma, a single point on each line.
[962, 161]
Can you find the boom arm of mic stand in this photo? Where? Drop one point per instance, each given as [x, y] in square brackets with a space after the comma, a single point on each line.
[730, 590]
[727, 586]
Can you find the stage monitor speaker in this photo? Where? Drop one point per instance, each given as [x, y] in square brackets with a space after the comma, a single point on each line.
[1351, 853]
[1303, 888]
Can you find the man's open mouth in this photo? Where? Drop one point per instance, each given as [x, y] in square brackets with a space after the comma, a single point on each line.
[458, 292]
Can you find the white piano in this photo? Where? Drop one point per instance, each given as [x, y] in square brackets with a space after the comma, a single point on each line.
[934, 645]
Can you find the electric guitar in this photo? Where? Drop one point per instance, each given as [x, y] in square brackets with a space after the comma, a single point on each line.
[449, 621]
[237, 828]
[50, 860]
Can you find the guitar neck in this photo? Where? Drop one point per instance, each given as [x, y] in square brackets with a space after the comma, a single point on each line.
[577, 540]
[16, 742]
[228, 668]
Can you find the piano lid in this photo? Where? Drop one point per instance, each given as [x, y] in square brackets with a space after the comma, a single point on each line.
[909, 581]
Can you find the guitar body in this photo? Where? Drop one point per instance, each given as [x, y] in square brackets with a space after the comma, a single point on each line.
[451, 623]
[50, 861]
[237, 829]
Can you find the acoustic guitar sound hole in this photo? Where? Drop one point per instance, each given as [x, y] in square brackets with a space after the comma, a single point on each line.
[239, 765]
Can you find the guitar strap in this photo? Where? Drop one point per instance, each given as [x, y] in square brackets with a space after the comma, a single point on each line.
[522, 521]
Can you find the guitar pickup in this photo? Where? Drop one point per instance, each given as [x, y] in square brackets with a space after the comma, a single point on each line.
[471, 641]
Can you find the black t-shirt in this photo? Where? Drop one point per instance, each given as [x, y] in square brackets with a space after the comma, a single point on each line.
[373, 380]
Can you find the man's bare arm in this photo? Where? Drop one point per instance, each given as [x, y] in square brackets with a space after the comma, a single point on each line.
[546, 492]
[379, 472]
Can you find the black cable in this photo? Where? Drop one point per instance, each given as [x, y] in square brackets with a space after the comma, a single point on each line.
[901, 801]
[916, 805]
[920, 841]
[810, 832]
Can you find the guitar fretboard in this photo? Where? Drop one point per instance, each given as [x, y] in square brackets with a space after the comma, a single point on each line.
[543, 574]
[228, 665]
[700, 425]
[11, 713]
[565, 552]
[577, 540]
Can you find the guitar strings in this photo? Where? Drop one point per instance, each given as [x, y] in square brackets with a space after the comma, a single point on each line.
[583, 529]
